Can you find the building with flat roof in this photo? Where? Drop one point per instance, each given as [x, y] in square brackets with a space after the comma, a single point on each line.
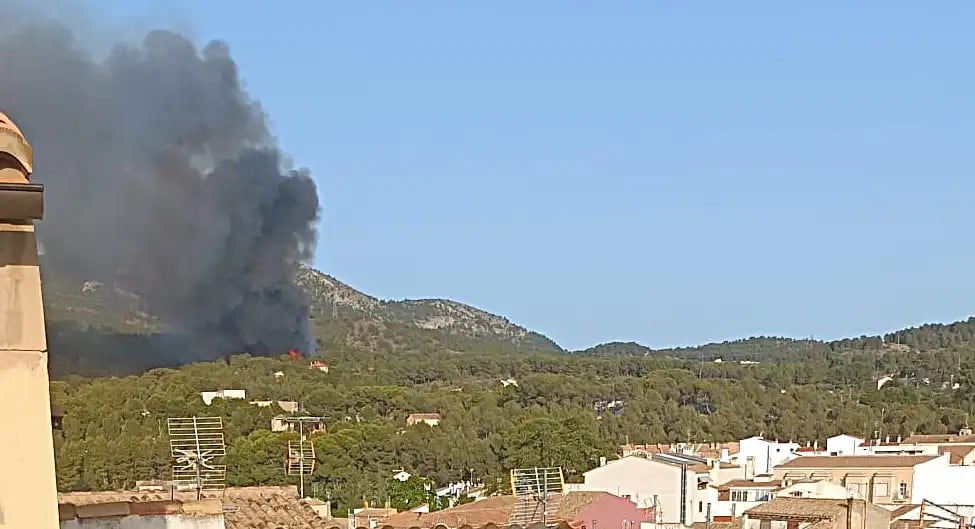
[878, 479]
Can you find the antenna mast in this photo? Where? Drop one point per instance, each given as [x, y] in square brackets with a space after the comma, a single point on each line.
[198, 451]
[538, 493]
[301, 455]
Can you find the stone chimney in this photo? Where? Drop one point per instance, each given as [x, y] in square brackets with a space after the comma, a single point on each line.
[28, 492]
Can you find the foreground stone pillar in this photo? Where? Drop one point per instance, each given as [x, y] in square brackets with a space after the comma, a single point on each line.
[28, 489]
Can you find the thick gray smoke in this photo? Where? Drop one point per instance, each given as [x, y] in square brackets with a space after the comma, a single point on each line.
[162, 177]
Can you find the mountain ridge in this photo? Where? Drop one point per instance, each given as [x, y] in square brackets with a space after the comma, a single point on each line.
[330, 297]
[102, 316]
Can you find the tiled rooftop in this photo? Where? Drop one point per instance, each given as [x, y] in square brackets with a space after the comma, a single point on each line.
[939, 438]
[808, 509]
[956, 453]
[750, 484]
[856, 461]
[494, 510]
[734, 524]
[706, 450]
[244, 507]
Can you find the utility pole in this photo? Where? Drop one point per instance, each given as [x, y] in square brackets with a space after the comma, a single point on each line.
[301, 450]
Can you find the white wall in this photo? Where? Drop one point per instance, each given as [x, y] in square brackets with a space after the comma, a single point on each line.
[845, 445]
[700, 502]
[732, 508]
[767, 454]
[818, 489]
[939, 482]
[641, 479]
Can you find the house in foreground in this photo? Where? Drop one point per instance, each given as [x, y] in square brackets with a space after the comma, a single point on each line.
[805, 513]
[579, 510]
[233, 508]
[675, 487]
[878, 479]
[738, 495]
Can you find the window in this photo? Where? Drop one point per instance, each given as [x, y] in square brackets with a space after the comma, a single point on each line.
[762, 495]
[853, 488]
[765, 524]
[739, 495]
[881, 490]
[902, 490]
[700, 506]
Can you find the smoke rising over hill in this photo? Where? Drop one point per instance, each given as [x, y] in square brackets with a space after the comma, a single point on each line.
[162, 177]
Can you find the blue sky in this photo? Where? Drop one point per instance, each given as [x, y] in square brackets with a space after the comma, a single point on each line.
[666, 172]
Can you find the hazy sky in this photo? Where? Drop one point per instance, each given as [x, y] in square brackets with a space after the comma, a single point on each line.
[666, 172]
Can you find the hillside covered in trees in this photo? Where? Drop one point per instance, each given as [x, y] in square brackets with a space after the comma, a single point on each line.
[114, 428]
[390, 359]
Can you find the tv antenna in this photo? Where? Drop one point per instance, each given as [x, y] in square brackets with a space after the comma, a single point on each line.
[300, 460]
[538, 493]
[198, 453]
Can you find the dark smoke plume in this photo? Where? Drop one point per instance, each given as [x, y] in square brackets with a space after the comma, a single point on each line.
[162, 177]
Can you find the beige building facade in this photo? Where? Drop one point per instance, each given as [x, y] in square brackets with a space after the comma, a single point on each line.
[877, 479]
[28, 493]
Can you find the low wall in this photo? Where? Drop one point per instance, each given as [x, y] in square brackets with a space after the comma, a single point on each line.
[205, 514]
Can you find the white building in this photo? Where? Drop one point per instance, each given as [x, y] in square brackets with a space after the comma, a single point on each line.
[765, 455]
[677, 486]
[208, 396]
[944, 484]
[738, 495]
[818, 488]
[845, 445]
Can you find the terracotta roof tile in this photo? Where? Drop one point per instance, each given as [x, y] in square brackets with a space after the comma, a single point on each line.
[747, 483]
[734, 524]
[939, 438]
[855, 461]
[494, 510]
[810, 509]
[956, 453]
[424, 416]
[245, 507]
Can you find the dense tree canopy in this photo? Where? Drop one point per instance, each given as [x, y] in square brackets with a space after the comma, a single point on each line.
[384, 368]
[114, 429]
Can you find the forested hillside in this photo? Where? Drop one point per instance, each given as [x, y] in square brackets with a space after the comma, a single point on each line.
[958, 337]
[98, 329]
[389, 359]
[114, 429]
